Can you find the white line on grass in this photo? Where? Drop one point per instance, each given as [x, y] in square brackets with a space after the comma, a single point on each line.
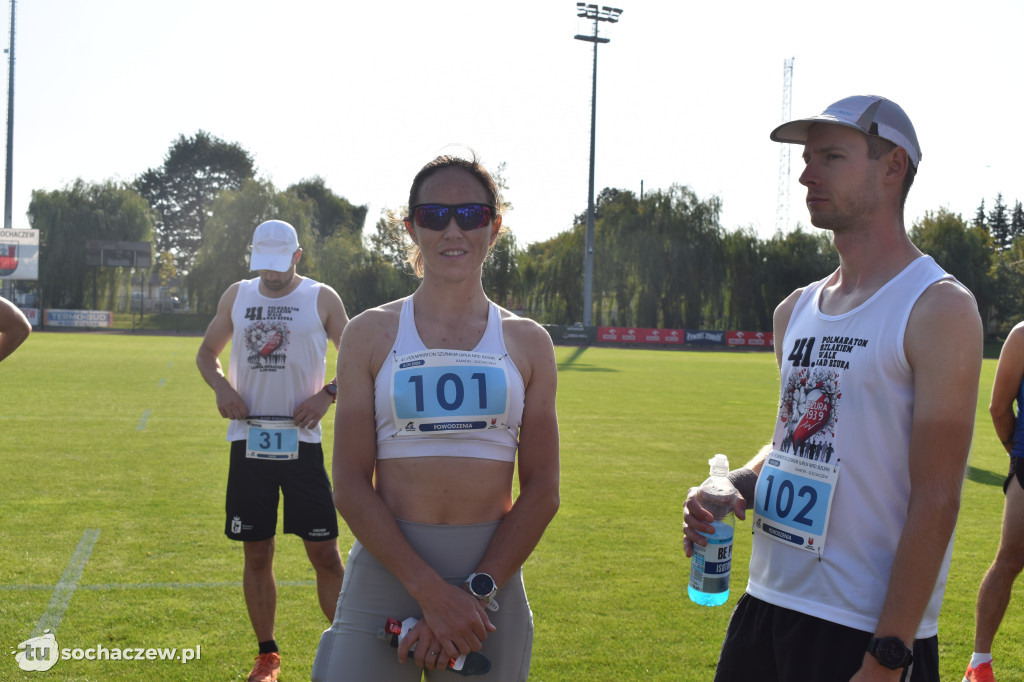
[65, 587]
[161, 384]
[142, 420]
[154, 586]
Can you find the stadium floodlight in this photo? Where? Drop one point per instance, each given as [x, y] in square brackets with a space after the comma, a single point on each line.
[610, 15]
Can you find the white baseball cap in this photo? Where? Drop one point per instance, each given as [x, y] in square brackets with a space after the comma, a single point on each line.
[273, 245]
[869, 114]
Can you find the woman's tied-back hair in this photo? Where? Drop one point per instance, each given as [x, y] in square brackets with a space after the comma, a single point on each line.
[472, 166]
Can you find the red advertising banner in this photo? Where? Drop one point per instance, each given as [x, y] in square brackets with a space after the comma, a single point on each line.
[673, 337]
[750, 339]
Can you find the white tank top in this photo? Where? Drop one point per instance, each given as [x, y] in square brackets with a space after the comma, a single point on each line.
[847, 396]
[278, 353]
[432, 402]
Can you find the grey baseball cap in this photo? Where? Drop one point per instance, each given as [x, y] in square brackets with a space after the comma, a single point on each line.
[869, 114]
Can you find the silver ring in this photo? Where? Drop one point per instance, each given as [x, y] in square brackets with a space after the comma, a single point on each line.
[434, 653]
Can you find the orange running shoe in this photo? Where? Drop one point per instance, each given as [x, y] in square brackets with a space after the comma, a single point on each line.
[266, 669]
[983, 673]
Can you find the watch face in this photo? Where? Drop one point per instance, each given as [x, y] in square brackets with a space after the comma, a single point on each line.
[891, 652]
[482, 585]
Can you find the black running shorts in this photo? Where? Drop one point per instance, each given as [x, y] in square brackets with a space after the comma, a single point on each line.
[1016, 471]
[253, 493]
[768, 643]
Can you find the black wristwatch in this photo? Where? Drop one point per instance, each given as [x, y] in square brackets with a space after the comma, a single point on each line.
[332, 390]
[891, 652]
[482, 586]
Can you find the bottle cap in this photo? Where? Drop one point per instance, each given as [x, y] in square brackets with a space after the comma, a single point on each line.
[719, 465]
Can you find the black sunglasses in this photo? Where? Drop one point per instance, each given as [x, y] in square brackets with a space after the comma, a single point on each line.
[467, 216]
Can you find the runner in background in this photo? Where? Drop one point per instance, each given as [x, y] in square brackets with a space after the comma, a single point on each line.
[278, 325]
[997, 585]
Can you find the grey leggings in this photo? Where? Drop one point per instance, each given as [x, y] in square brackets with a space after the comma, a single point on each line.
[350, 650]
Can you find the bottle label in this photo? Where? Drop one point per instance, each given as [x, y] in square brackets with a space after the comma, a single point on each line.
[793, 500]
[711, 566]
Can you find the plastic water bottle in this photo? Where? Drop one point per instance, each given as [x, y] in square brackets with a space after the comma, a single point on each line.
[710, 566]
[473, 663]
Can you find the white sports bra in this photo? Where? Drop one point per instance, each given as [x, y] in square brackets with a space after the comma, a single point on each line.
[435, 402]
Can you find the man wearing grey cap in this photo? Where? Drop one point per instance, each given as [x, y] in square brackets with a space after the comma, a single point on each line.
[278, 325]
[880, 361]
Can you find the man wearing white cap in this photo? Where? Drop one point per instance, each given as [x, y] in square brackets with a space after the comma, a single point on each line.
[278, 325]
[879, 360]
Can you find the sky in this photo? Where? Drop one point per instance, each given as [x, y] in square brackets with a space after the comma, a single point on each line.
[363, 94]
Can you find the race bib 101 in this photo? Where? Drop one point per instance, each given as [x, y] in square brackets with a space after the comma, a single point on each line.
[447, 391]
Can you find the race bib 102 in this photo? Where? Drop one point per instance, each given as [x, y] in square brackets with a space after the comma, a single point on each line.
[793, 500]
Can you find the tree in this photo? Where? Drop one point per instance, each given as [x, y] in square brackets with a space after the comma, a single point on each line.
[501, 272]
[743, 290]
[1017, 222]
[556, 265]
[980, 219]
[224, 255]
[331, 213]
[66, 220]
[793, 260]
[369, 277]
[182, 190]
[999, 225]
[962, 251]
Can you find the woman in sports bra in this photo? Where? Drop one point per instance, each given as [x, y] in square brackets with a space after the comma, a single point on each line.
[441, 394]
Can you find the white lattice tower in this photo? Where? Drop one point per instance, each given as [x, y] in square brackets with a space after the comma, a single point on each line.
[782, 210]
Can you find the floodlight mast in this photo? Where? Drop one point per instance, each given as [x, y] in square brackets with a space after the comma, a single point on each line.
[8, 188]
[611, 15]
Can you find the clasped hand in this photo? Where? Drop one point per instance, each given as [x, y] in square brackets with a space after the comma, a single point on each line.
[453, 623]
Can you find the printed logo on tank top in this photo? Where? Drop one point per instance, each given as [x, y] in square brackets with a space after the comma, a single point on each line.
[795, 490]
[809, 407]
[267, 336]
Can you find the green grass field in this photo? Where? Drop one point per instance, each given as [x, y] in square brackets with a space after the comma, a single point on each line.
[112, 444]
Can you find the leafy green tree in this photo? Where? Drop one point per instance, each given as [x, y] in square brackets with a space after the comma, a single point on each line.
[556, 265]
[224, 255]
[195, 170]
[374, 276]
[1006, 281]
[962, 251]
[331, 213]
[657, 260]
[501, 272]
[743, 285]
[620, 220]
[66, 220]
[794, 260]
